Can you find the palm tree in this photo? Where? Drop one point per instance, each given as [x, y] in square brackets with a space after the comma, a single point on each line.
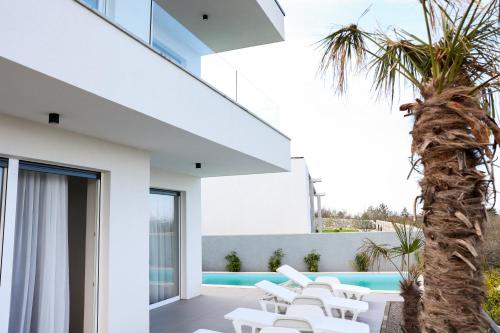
[454, 69]
[410, 241]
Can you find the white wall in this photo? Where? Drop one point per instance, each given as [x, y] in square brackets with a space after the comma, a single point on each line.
[337, 250]
[124, 280]
[258, 204]
[190, 226]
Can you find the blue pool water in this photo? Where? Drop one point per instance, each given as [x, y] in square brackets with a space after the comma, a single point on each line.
[370, 280]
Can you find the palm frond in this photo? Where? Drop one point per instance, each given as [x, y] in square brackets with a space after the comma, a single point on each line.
[342, 49]
[461, 49]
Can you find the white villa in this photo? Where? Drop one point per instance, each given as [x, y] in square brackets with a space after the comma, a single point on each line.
[278, 203]
[107, 126]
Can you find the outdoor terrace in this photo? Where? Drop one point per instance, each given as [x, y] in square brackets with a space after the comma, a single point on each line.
[208, 310]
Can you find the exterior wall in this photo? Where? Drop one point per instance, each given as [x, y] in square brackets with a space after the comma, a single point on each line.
[337, 250]
[190, 189]
[124, 264]
[258, 204]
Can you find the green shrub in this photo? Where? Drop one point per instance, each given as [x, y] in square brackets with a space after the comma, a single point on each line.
[275, 260]
[312, 261]
[492, 304]
[361, 262]
[340, 230]
[233, 262]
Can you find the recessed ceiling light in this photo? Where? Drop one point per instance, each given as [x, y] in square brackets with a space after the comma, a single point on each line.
[53, 118]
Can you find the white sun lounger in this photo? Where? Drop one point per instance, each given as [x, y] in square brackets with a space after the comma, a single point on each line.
[258, 319]
[281, 297]
[264, 330]
[278, 330]
[330, 283]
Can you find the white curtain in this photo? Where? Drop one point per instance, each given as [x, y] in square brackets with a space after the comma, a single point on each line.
[40, 290]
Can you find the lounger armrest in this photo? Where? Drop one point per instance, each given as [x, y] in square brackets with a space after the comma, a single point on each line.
[316, 284]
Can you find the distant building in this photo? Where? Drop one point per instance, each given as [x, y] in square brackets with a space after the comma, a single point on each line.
[277, 203]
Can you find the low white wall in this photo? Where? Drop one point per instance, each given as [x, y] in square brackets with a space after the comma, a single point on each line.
[337, 250]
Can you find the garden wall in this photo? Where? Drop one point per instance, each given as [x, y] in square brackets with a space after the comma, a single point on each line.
[337, 250]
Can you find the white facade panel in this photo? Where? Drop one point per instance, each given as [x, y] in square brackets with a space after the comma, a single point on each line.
[258, 204]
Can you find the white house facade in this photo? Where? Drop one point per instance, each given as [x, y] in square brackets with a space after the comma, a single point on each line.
[260, 204]
[106, 130]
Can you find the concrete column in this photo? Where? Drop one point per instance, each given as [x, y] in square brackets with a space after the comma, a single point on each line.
[319, 221]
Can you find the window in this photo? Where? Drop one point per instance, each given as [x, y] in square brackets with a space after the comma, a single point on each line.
[92, 3]
[134, 16]
[164, 247]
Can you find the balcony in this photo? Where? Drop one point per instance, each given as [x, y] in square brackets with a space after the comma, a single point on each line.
[108, 82]
[192, 33]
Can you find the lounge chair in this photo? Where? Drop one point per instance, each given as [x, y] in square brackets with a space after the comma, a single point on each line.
[278, 330]
[281, 298]
[301, 317]
[264, 330]
[326, 282]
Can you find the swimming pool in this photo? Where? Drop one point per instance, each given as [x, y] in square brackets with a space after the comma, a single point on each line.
[376, 281]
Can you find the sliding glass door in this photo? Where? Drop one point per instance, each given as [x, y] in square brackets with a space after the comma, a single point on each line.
[164, 249]
[55, 250]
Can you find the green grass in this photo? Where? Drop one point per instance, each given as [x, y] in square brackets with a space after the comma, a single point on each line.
[340, 230]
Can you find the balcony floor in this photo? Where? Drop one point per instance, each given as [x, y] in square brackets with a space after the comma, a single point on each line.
[208, 310]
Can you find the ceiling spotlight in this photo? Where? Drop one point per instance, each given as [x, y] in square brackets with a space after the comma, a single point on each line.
[205, 17]
[53, 118]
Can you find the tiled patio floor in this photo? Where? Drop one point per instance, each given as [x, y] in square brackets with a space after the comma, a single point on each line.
[208, 310]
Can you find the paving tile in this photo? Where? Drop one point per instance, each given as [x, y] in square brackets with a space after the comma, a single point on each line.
[208, 310]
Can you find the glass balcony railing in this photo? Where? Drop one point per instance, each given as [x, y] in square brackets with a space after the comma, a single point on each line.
[149, 22]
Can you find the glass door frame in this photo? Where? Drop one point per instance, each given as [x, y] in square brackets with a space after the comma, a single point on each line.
[9, 209]
[4, 165]
[178, 195]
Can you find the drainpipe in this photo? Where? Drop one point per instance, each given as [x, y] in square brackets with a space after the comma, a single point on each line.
[319, 222]
[312, 194]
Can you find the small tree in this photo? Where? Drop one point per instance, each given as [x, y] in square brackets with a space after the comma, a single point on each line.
[275, 260]
[233, 262]
[410, 241]
[312, 261]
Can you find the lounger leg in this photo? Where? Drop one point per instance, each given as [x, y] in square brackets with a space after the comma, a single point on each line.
[237, 327]
[354, 315]
[342, 314]
[263, 305]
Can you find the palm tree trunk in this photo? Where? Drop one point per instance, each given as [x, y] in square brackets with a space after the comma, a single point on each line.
[451, 137]
[412, 295]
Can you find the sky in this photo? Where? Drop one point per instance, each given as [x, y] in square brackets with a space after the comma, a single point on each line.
[357, 144]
